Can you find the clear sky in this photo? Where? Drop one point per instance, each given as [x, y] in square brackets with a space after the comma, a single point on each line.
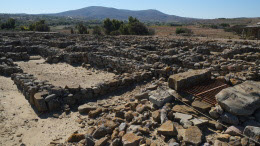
[185, 8]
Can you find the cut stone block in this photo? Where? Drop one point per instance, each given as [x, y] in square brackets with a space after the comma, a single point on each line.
[187, 79]
[39, 101]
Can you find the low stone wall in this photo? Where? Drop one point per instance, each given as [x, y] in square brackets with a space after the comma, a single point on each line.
[46, 97]
[7, 67]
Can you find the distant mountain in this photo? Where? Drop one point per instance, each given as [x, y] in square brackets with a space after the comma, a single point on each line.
[100, 13]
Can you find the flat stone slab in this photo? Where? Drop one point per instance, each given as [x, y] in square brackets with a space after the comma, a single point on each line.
[188, 79]
[242, 99]
[160, 96]
[181, 116]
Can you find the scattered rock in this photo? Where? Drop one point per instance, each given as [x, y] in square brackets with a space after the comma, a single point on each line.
[76, 137]
[229, 118]
[86, 108]
[252, 132]
[101, 142]
[192, 136]
[130, 139]
[201, 106]
[160, 96]
[167, 129]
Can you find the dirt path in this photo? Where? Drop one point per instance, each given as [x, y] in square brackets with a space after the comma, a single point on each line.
[63, 74]
[20, 124]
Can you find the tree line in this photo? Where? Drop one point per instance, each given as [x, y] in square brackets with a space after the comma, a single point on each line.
[109, 27]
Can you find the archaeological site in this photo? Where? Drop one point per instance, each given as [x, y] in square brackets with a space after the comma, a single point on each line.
[59, 89]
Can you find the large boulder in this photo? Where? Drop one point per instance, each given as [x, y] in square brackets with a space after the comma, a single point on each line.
[188, 79]
[242, 99]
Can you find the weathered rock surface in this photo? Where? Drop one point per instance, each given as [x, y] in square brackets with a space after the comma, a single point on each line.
[242, 99]
[253, 132]
[130, 139]
[193, 136]
[167, 129]
[188, 79]
[160, 96]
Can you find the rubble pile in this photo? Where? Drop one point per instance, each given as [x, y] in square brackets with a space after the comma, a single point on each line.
[160, 113]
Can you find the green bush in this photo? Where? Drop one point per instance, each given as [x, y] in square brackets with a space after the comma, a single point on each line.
[97, 30]
[181, 30]
[82, 29]
[225, 25]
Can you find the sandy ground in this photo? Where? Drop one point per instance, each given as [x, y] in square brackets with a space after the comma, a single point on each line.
[20, 124]
[63, 74]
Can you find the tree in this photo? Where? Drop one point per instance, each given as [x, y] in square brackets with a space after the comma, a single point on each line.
[108, 26]
[10, 24]
[82, 29]
[180, 30]
[39, 26]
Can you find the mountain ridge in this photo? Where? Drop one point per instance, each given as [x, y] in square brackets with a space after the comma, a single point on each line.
[100, 13]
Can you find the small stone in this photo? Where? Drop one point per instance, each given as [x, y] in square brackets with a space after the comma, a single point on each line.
[156, 116]
[89, 140]
[201, 106]
[234, 130]
[122, 127]
[101, 142]
[199, 122]
[130, 139]
[76, 137]
[192, 135]
[229, 118]
[95, 113]
[167, 129]
[180, 116]
[85, 109]
[252, 132]
[129, 116]
[141, 96]
[223, 137]
[100, 132]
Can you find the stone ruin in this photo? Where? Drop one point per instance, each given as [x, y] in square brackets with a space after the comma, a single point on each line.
[169, 64]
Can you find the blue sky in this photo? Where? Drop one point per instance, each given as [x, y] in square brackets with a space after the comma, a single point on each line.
[185, 8]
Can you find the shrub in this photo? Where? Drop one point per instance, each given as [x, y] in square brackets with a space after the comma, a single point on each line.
[181, 30]
[138, 28]
[24, 28]
[82, 29]
[224, 25]
[97, 30]
[71, 31]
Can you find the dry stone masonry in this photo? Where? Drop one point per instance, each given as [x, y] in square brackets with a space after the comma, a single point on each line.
[151, 72]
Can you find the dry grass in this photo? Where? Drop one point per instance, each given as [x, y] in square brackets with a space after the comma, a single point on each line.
[197, 31]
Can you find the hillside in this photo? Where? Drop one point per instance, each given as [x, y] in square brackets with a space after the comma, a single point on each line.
[100, 13]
